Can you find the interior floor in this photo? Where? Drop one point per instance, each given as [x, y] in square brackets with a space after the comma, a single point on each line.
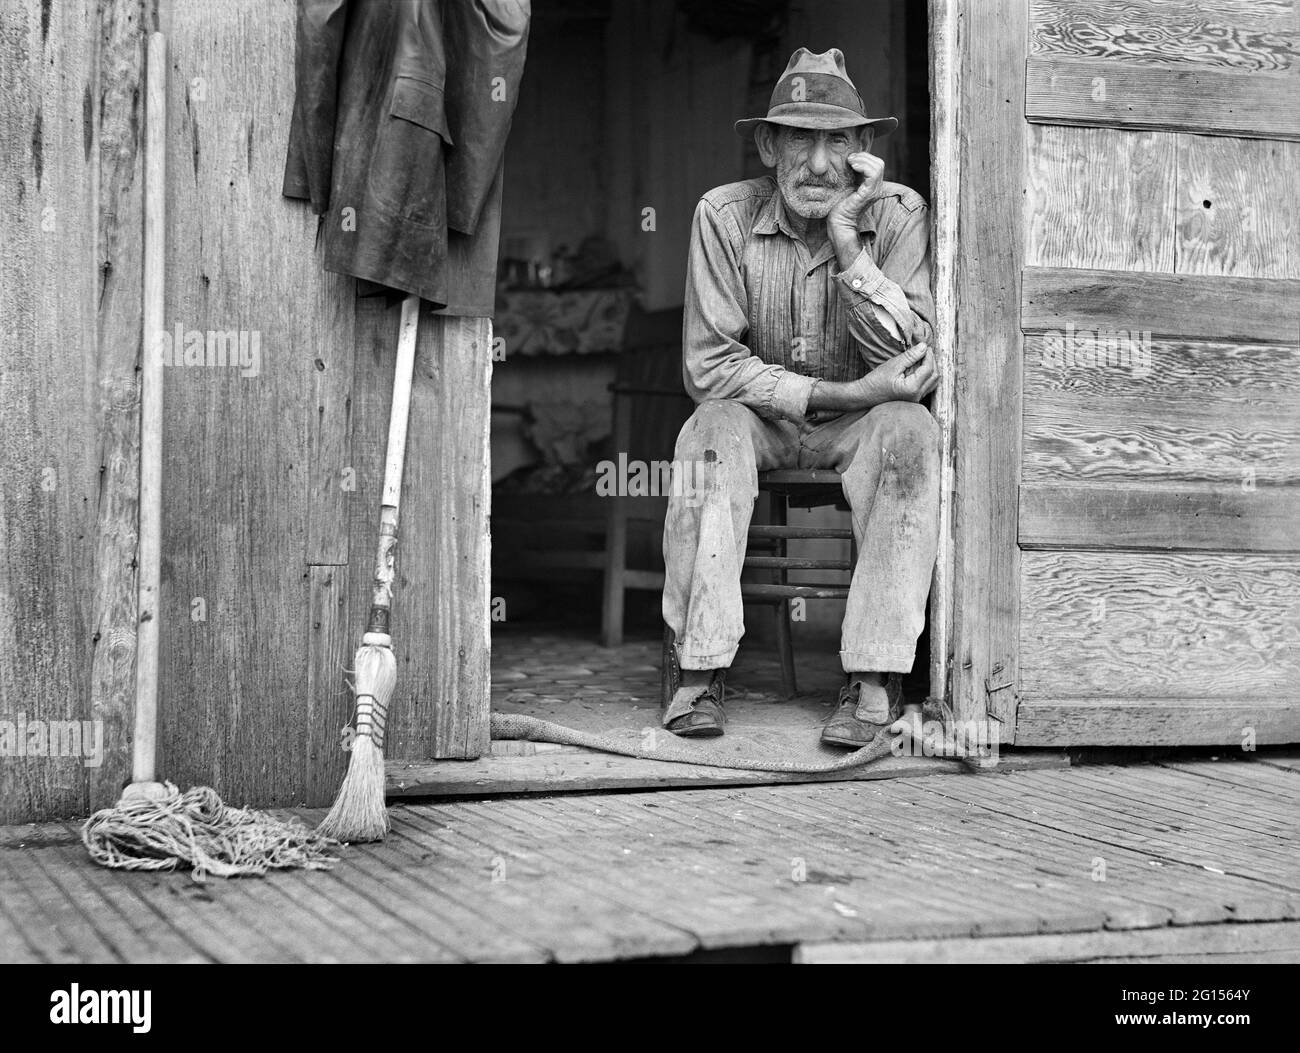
[557, 672]
[562, 674]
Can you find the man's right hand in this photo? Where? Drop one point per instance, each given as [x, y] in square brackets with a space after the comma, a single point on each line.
[907, 377]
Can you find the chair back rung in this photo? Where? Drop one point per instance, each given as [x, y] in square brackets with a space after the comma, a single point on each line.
[797, 563]
[765, 530]
[800, 477]
[776, 593]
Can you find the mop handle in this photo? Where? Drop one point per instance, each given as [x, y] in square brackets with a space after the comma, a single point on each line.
[385, 568]
[144, 740]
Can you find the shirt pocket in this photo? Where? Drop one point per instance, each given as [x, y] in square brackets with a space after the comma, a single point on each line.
[407, 169]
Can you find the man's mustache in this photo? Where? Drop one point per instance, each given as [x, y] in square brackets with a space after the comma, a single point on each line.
[825, 184]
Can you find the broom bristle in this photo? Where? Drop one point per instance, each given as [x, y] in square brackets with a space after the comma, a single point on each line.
[359, 813]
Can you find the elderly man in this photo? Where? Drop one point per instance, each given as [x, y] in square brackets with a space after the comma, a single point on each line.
[808, 312]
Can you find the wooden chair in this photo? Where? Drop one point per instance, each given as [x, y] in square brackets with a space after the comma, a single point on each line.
[794, 488]
[766, 550]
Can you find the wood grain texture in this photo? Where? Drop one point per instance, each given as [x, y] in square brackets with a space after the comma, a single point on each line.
[571, 769]
[1115, 94]
[991, 86]
[1249, 35]
[449, 480]
[1100, 198]
[1160, 626]
[1161, 410]
[49, 388]
[1186, 518]
[440, 604]
[331, 474]
[1107, 437]
[119, 248]
[945, 175]
[1157, 721]
[1246, 310]
[328, 700]
[532, 879]
[1238, 207]
[240, 258]
[1179, 372]
[1199, 943]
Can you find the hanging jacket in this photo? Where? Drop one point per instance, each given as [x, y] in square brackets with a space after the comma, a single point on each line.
[400, 118]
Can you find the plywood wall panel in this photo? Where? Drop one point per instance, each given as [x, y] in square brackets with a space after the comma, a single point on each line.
[1142, 625]
[1244, 310]
[1233, 722]
[1179, 371]
[1122, 438]
[1242, 35]
[1160, 515]
[1238, 207]
[1101, 198]
[1160, 410]
[1100, 92]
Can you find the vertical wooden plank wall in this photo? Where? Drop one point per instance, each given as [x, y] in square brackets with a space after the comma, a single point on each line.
[270, 472]
[1160, 497]
[945, 108]
[272, 480]
[989, 54]
[240, 259]
[51, 490]
[440, 607]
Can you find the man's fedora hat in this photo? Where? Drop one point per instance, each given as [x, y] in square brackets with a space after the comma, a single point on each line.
[815, 92]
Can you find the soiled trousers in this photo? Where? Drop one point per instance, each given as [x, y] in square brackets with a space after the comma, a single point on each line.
[888, 457]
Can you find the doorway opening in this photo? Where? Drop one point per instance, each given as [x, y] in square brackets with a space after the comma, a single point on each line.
[624, 122]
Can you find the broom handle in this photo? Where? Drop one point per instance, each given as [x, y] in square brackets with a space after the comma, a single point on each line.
[382, 596]
[144, 740]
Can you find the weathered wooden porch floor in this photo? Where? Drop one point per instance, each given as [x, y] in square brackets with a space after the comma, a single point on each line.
[1155, 861]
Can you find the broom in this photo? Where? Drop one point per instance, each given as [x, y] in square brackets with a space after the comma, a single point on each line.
[359, 813]
[154, 826]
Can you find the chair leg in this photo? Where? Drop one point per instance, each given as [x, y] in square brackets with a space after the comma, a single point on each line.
[784, 636]
[785, 649]
[611, 615]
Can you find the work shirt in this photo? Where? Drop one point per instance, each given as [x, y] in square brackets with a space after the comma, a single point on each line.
[765, 318]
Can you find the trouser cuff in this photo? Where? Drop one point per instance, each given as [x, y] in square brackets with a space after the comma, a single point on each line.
[881, 660]
[722, 660]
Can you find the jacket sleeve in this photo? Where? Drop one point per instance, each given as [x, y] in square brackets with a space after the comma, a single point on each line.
[890, 306]
[486, 44]
[308, 169]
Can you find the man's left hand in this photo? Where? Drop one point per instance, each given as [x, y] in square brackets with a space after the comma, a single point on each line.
[842, 220]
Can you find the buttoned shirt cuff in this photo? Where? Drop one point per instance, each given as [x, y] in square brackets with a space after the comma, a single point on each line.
[790, 396]
[862, 279]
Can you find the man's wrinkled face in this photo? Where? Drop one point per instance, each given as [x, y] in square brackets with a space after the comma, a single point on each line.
[812, 169]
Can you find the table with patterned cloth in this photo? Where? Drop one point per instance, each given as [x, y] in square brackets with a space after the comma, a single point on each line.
[543, 322]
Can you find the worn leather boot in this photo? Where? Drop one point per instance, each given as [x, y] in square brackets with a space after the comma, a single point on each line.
[846, 728]
[706, 717]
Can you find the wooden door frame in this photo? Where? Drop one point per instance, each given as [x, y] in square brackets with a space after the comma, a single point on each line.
[977, 82]
[974, 599]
